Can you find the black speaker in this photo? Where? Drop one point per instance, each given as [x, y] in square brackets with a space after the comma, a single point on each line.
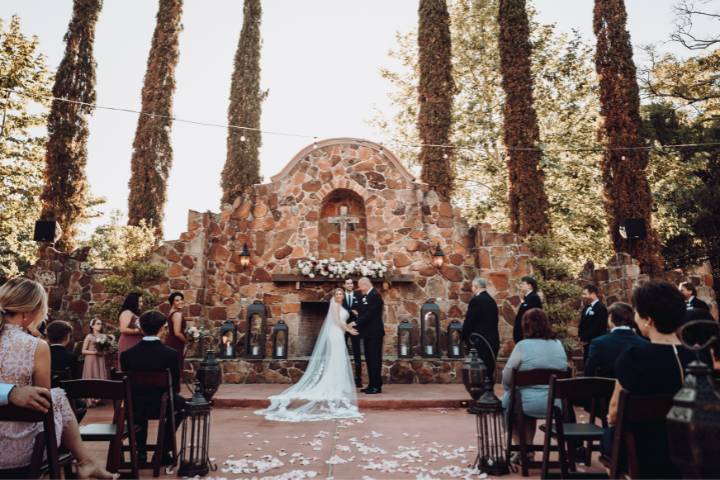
[47, 231]
[633, 229]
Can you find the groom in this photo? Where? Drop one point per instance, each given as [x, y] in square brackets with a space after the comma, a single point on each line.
[370, 326]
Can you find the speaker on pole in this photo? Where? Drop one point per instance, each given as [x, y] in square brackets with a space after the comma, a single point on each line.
[47, 231]
[633, 229]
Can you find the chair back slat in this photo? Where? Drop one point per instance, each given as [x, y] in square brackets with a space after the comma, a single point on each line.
[540, 376]
[159, 380]
[45, 442]
[582, 388]
[11, 413]
[100, 389]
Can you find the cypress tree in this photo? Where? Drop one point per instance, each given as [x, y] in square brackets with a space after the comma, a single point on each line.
[65, 195]
[152, 151]
[242, 165]
[626, 188]
[435, 94]
[528, 203]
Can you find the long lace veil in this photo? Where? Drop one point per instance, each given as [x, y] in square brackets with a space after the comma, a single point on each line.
[326, 389]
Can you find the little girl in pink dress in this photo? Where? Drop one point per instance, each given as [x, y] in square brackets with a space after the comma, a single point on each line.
[94, 364]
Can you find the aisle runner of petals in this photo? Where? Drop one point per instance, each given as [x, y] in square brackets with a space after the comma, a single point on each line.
[416, 458]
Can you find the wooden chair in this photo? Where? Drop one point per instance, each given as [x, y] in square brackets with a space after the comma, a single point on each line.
[633, 410]
[45, 445]
[165, 416]
[122, 426]
[516, 416]
[560, 422]
[58, 376]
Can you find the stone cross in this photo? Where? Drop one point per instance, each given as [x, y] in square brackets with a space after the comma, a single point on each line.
[343, 220]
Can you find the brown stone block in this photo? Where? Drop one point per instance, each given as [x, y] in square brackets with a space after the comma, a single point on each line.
[312, 186]
[456, 259]
[453, 274]
[219, 253]
[261, 275]
[179, 284]
[260, 210]
[290, 307]
[188, 262]
[445, 209]
[217, 313]
[428, 271]
[401, 260]
[499, 280]
[283, 252]
[194, 310]
[174, 270]
[417, 234]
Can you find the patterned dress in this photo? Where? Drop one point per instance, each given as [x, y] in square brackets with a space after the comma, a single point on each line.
[17, 362]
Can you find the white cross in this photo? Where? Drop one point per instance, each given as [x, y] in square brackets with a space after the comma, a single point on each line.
[343, 220]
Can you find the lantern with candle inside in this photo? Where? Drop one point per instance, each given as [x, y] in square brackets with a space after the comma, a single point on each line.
[245, 257]
[404, 337]
[228, 340]
[255, 332]
[454, 339]
[280, 340]
[438, 257]
[195, 437]
[430, 329]
[491, 434]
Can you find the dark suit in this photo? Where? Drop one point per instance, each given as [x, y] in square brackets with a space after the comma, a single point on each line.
[372, 330]
[61, 358]
[152, 356]
[531, 300]
[593, 324]
[605, 350]
[695, 302]
[355, 340]
[482, 318]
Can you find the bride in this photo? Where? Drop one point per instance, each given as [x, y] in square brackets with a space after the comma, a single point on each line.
[326, 390]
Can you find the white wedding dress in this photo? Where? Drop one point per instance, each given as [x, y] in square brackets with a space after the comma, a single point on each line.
[326, 390]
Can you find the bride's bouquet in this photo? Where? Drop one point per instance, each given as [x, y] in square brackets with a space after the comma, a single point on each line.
[195, 334]
[332, 268]
[105, 344]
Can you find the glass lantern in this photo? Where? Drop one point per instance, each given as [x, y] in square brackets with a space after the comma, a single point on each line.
[430, 329]
[404, 336]
[491, 434]
[280, 340]
[228, 340]
[454, 339]
[195, 438]
[255, 333]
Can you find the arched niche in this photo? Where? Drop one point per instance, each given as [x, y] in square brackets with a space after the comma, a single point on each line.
[342, 210]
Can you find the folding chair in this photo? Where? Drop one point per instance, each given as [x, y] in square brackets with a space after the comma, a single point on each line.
[122, 426]
[516, 416]
[45, 445]
[592, 391]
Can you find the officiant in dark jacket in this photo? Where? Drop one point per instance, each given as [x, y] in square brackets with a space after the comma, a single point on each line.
[482, 318]
[351, 302]
[528, 286]
[372, 330]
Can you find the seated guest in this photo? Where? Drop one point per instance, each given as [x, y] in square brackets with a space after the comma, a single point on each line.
[605, 350]
[539, 350]
[482, 318]
[59, 335]
[654, 367]
[25, 362]
[151, 355]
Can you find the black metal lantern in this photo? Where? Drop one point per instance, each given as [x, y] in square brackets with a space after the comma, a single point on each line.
[245, 256]
[454, 339]
[491, 434]
[438, 257]
[693, 423]
[228, 339]
[404, 336]
[209, 374]
[195, 438]
[430, 329]
[255, 332]
[473, 373]
[280, 340]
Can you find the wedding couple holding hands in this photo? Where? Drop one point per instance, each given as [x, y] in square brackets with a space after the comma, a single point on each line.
[326, 391]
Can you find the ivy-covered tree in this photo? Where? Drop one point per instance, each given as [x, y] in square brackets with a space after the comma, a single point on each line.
[528, 202]
[65, 193]
[242, 165]
[152, 151]
[24, 83]
[627, 192]
[435, 94]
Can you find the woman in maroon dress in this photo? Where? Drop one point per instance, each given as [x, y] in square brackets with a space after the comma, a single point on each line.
[175, 337]
[130, 333]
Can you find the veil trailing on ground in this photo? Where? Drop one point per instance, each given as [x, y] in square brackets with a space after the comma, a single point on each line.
[326, 390]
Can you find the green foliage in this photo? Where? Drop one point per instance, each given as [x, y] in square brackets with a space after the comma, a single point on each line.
[24, 85]
[115, 244]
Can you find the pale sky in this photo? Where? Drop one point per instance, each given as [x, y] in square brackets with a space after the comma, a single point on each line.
[320, 61]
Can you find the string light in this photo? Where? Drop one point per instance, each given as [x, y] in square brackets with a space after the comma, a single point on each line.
[242, 138]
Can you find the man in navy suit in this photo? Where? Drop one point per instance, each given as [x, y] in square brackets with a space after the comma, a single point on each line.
[605, 350]
[482, 318]
[372, 330]
[528, 286]
[352, 302]
[593, 319]
[689, 291]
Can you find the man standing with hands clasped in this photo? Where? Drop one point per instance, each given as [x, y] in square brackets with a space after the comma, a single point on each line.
[593, 319]
[370, 326]
[351, 303]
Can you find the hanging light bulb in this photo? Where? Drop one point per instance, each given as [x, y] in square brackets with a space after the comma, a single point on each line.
[242, 138]
[445, 155]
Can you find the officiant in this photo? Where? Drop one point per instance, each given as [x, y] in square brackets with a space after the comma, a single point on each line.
[352, 302]
[482, 319]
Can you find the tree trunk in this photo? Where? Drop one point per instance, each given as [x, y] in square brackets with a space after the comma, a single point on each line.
[152, 151]
[528, 203]
[626, 189]
[242, 165]
[435, 94]
[64, 196]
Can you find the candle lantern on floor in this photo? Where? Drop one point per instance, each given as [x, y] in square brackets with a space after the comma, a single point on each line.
[209, 374]
[195, 438]
[491, 434]
[430, 329]
[405, 339]
[280, 340]
[454, 339]
[473, 373]
[228, 339]
[255, 333]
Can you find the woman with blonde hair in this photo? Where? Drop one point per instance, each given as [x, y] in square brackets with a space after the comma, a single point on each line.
[25, 360]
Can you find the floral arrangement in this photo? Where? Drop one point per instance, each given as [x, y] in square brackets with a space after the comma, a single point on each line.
[105, 344]
[332, 268]
[195, 334]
